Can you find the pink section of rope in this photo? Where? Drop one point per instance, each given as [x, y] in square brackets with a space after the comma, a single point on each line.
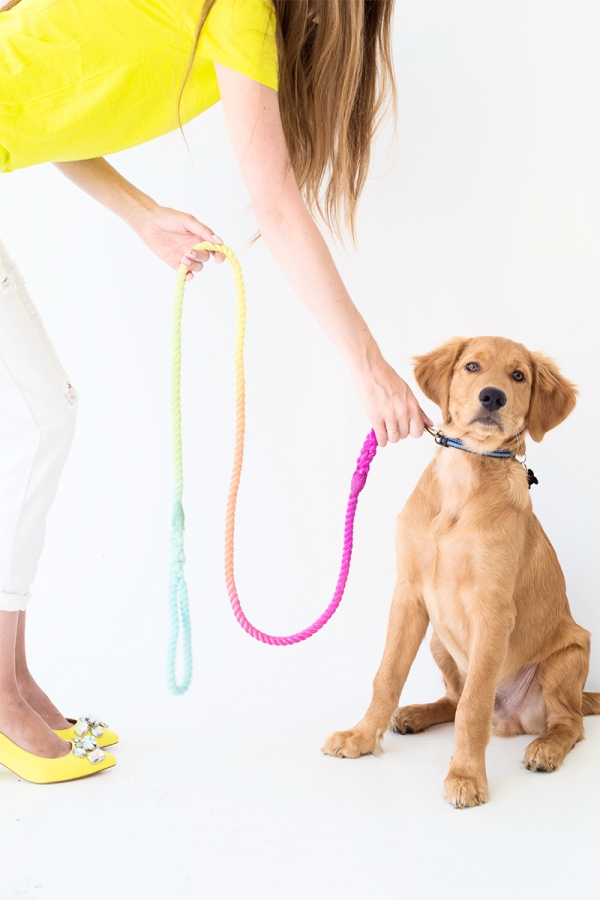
[363, 463]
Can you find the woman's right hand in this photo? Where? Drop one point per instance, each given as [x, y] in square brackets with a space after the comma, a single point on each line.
[171, 235]
[391, 406]
[168, 233]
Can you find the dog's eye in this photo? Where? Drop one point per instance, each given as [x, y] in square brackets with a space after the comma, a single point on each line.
[518, 376]
[472, 367]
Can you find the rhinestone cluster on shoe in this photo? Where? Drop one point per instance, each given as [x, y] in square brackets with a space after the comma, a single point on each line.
[85, 744]
[86, 723]
[88, 746]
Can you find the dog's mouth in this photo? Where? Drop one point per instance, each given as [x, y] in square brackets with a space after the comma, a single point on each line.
[487, 422]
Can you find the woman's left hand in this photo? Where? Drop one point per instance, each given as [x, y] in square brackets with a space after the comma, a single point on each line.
[171, 235]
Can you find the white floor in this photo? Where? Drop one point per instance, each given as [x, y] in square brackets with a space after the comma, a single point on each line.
[224, 794]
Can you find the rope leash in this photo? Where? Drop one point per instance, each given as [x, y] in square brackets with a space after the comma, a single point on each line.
[178, 595]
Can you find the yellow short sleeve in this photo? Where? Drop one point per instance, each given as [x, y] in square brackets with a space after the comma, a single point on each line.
[81, 79]
[241, 35]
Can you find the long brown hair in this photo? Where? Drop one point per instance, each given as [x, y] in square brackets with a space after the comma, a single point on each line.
[336, 83]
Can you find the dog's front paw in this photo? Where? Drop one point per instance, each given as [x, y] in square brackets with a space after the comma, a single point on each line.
[352, 744]
[463, 791]
[542, 755]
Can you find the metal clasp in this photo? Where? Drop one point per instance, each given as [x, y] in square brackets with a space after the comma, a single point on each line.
[522, 460]
[438, 436]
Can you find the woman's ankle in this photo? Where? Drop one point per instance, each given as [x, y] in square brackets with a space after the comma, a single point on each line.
[40, 702]
[25, 728]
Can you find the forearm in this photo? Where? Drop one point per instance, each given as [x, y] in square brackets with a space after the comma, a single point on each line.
[301, 253]
[102, 182]
[167, 232]
[256, 132]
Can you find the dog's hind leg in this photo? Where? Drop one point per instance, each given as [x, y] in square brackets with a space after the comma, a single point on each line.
[419, 716]
[561, 676]
[591, 704]
[406, 630]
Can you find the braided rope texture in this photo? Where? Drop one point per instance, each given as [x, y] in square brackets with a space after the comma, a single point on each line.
[178, 598]
[179, 612]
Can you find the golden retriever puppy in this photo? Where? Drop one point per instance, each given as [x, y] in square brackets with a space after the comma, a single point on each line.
[474, 561]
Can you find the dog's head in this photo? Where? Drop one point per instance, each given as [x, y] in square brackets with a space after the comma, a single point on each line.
[490, 389]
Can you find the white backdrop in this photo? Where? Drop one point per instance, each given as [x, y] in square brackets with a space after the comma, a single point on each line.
[481, 218]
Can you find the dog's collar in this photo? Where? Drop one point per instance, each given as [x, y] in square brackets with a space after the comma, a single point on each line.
[445, 441]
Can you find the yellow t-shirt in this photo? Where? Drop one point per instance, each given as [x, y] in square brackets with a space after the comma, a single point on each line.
[83, 78]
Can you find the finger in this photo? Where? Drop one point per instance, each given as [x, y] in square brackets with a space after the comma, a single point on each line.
[381, 435]
[393, 433]
[194, 255]
[218, 257]
[193, 265]
[202, 233]
[417, 425]
[403, 426]
[205, 255]
[403, 422]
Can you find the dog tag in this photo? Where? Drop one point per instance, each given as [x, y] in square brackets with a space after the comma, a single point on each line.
[531, 479]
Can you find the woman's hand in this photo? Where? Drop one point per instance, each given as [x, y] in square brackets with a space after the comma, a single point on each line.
[390, 404]
[168, 233]
[172, 234]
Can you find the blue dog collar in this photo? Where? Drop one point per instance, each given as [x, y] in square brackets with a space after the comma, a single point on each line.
[445, 441]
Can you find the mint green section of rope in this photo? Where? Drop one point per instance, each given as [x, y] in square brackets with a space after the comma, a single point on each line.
[179, 613]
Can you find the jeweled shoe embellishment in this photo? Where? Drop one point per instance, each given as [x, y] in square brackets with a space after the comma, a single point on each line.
[88, 746]
[97, 755]
[86, 723]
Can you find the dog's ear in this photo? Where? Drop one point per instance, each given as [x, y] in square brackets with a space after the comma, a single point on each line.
[433, 372]
[552, 397]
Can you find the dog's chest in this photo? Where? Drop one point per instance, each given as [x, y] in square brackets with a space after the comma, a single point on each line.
[456, 481]
[449, 578]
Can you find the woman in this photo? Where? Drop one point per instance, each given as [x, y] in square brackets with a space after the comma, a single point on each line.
[303, 83]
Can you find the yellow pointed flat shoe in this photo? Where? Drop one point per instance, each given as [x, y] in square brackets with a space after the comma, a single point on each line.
[85, 758]
[87, 725]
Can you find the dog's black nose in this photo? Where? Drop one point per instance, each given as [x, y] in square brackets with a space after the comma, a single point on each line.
[492, 399]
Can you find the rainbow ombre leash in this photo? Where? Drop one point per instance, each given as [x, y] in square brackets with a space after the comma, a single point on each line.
[178, 594]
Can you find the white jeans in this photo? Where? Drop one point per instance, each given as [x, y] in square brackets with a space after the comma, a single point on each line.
[37, 420]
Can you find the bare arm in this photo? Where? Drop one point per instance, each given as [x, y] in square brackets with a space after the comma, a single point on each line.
[167, 232]
[254, 124]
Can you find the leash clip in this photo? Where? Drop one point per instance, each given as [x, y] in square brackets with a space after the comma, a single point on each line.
[437, 435]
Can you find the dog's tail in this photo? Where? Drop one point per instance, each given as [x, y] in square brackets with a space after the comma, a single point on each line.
[591, 704]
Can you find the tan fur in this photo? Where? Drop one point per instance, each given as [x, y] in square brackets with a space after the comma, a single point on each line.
[474, 561]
